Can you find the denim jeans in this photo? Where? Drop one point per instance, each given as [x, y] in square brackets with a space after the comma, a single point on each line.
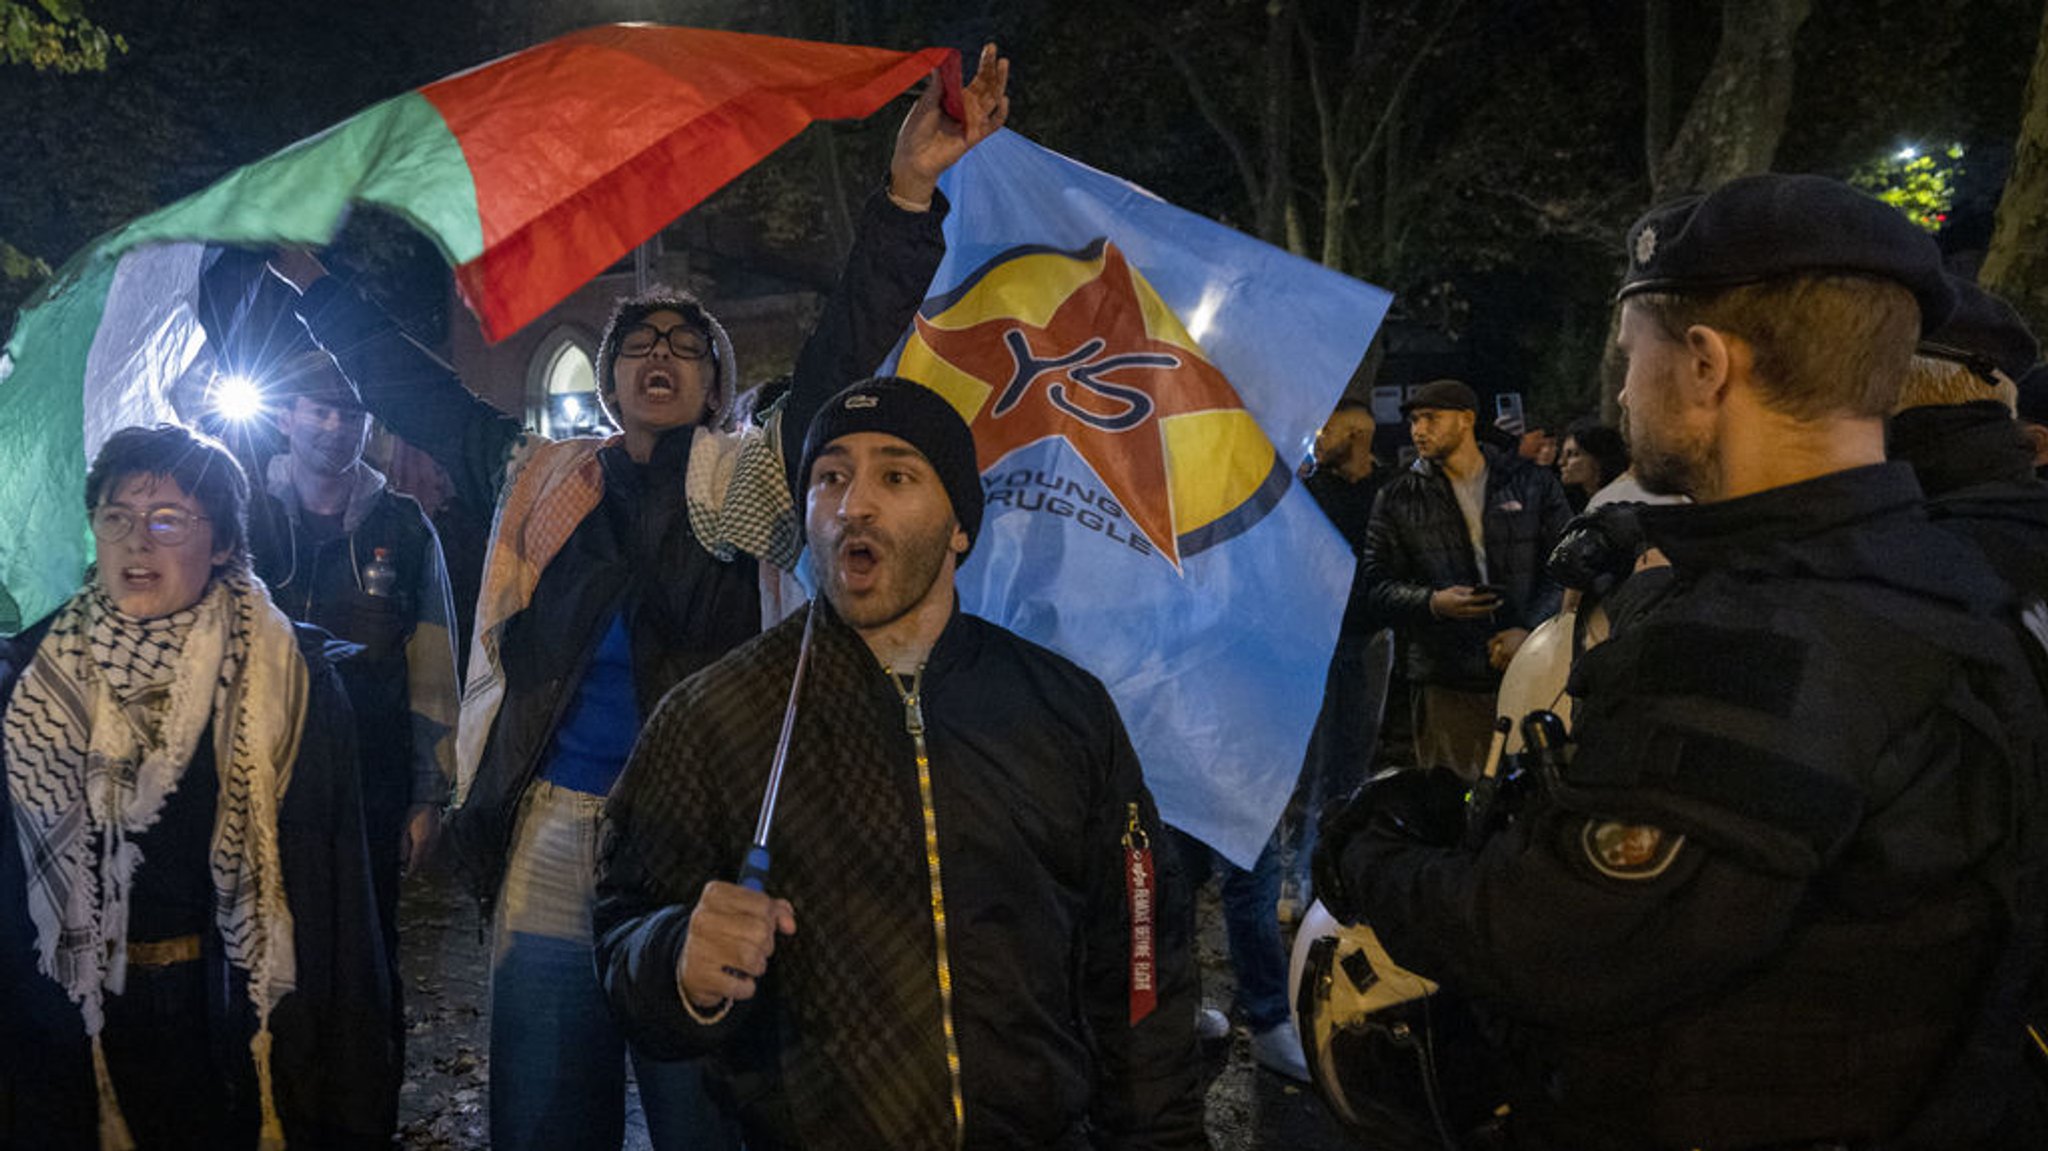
[558, 1062]
[1251, 926]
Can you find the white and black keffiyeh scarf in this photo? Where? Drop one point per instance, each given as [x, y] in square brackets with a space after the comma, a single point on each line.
[98, 735]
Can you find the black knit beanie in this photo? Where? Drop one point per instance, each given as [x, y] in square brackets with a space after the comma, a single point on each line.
[915, 414]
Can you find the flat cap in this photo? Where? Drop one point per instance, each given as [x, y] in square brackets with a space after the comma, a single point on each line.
[1448, 395]
[1983, 334]
[1757, 228]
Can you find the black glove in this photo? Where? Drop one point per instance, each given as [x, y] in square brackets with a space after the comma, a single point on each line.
[1598, 549]
[1425, 807]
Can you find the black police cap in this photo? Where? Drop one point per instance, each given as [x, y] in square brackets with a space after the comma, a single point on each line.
[1983, 334]
[1757, 228]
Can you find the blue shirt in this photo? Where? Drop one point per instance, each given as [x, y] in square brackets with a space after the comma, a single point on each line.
[597, 734]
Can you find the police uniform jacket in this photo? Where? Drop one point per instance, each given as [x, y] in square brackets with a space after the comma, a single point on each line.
[1777, 895]
[1978, 472]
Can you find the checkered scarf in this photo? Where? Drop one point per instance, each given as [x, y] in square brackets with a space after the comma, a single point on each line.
[98, 735]
[738, 501]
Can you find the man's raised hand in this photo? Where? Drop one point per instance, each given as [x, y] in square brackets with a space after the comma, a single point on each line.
[931, 141]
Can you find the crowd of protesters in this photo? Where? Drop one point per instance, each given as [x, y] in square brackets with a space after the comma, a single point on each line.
[1785, 890]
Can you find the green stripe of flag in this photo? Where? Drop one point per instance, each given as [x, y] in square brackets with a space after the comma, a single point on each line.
[398, 155]
[42, 438]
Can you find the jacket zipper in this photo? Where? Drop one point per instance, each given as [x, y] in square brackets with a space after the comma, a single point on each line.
[913, 722]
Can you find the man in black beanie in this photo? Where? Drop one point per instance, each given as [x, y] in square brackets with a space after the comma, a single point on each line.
[1782, 892]
[965, 938]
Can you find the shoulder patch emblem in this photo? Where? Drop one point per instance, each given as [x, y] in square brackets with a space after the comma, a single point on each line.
[1629, 850]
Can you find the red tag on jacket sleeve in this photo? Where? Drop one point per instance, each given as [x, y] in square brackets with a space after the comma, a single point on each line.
[1139, 888]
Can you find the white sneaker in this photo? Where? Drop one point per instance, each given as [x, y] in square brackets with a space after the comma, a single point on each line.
[1211, 1025]
[1278, 1049]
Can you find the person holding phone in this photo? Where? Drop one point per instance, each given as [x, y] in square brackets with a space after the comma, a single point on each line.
[1454, 560]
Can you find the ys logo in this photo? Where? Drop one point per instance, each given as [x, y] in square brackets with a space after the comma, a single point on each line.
[1039, 343]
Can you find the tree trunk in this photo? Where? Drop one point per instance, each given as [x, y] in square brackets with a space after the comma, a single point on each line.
[1656, 83]
[1731, 128]
[1735, 120]
[1275, 121]
[1390, 179]
[2016, 266]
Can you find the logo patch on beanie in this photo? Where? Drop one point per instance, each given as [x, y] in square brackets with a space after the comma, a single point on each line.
[1646, 245]
[1041, 344]
[855, 403]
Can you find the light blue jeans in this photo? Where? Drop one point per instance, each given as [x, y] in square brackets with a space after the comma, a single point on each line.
[558, 1062]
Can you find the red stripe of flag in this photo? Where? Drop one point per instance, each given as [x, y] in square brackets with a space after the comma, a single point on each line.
[587, 145]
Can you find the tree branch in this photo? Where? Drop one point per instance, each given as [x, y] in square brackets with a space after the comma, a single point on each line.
[1207, 106]
[1445, 15]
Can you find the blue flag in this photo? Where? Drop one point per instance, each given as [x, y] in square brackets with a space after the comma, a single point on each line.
[1141, 382]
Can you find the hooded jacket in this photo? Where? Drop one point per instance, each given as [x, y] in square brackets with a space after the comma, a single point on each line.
[403, 681]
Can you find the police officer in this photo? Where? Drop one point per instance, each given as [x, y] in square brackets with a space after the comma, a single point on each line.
[1955, 425]
[1778, 896]
[341, 550]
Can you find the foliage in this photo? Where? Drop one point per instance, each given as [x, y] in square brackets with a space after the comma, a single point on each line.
[20, 275]
[16, 264]
[1480, 164]
[54, 36]
[1919, 183]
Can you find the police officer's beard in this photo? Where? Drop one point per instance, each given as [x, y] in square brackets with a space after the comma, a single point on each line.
[1679, 466]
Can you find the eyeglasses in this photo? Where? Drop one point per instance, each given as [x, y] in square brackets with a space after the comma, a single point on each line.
[169, 526]
[684, 342]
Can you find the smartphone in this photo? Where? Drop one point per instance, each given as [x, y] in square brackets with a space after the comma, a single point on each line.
[1494, 590]
[1507, 412]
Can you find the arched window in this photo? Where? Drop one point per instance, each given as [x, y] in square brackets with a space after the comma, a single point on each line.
[562, 387]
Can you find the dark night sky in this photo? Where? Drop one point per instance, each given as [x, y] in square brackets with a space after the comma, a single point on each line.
[1544, 101]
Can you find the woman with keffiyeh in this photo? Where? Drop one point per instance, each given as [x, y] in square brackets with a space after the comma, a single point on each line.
[188, 953]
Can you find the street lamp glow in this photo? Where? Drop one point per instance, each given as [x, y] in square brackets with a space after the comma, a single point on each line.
[1909, 152]
[237, 397]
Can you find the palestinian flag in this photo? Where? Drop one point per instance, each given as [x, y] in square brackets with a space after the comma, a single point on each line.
[532, 174]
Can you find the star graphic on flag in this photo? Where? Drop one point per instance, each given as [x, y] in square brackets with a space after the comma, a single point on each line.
[1095, 375]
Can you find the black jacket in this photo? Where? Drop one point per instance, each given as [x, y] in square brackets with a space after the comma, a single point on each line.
[1349, 505]
[1033, 790]
[636, 554]
[321, 584]
[1417, 543]
[335, 1061]
[1780, 896]
[1978, 472]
